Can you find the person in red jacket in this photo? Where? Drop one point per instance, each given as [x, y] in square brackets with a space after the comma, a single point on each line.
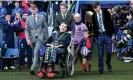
[85, 47]
[24, 47]
[25, 4]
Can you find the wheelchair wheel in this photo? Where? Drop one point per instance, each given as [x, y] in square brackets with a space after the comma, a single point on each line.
[61, 72]
[69, 64]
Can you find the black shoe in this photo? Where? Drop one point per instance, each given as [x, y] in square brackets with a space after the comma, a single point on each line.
[32, 72]
[109, 66]
[110, 69]
[101, 72]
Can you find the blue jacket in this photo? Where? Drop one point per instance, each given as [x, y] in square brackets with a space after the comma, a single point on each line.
[130, 25]
[28, 11]
[8, 7]
[20, 10]
[3, 12]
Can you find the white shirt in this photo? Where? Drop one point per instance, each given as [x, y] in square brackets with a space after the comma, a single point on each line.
[63, 15]
[103, 28]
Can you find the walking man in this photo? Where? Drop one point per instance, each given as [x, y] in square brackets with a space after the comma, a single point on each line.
[36, 31]
[103, 31]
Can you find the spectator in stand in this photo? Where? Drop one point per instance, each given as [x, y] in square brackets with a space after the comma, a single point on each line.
[24, 47]
[9, 5]
[8, 40]
[2, 19]
[16, 21]
[17, 17]
[25, 4]
[17, 9]
[3, 12]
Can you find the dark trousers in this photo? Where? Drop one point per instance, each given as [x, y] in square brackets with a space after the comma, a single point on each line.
[6, 45]
[104, 42]
[78, 55]
[24, 47]
[1, 35]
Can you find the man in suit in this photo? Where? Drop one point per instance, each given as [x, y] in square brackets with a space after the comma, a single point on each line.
[104, 31]
[64, 17]
[36, 32]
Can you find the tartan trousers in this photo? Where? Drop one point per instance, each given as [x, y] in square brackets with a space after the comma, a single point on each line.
[104, 42]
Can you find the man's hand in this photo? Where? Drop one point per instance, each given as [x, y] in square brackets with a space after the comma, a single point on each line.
[15, 22]
[113, 37]
[129, 17]
[28, 42]
[73, 39]
[125, 31]
[8, 22]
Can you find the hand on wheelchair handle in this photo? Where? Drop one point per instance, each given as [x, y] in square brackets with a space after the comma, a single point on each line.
[51, 45]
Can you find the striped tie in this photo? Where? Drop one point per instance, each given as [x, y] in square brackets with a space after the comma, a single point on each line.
[34, 17]
[64, 16]
[100, 22]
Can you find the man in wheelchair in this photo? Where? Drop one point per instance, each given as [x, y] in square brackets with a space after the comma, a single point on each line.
[56, 44]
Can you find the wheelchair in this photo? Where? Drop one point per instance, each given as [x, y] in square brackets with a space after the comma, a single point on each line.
[64, 64]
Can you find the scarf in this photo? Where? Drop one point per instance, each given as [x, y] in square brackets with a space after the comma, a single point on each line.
[88, 43]
[78, 23]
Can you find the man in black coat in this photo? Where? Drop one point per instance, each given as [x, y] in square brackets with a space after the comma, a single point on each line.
[8, 40]
[103, 31]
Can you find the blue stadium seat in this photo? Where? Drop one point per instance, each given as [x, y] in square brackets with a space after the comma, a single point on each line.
[11, 53]
[43, 13]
